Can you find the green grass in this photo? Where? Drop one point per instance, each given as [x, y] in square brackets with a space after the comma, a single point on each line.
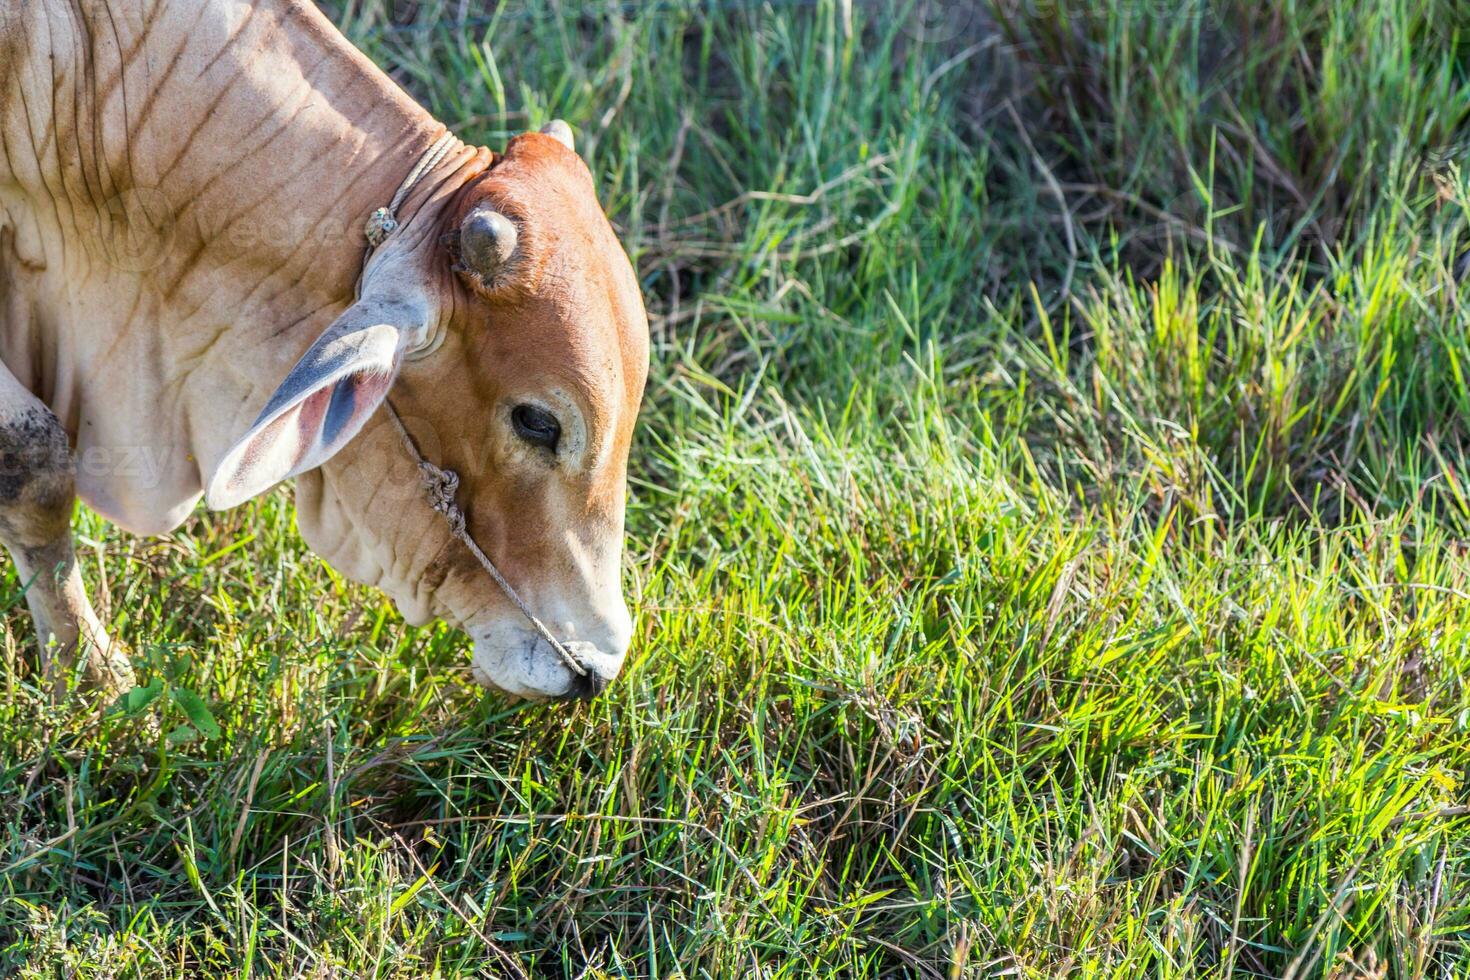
[1049, 536]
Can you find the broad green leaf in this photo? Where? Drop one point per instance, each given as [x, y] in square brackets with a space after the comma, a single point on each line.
[197, 712]
[141, 697]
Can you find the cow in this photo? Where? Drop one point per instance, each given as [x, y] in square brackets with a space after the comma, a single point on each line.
[188, 192]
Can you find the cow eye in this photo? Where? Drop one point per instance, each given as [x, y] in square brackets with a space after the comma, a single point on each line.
[536, 425]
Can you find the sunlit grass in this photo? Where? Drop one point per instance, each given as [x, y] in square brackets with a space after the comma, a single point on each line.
[1047, 539]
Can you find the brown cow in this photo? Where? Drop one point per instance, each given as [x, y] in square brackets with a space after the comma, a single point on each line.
[183, 189]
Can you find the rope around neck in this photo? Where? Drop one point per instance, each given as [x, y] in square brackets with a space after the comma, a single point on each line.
[441, 485]
[384, 221]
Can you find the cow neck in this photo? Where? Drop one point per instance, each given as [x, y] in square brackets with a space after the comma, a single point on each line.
[297, 195]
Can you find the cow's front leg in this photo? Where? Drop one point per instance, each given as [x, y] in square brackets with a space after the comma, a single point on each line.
[37, 493]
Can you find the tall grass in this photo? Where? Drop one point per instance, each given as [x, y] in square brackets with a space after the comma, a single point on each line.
[1046, 533]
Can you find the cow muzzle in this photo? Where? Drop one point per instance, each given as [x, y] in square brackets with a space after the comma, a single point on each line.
[519, 662]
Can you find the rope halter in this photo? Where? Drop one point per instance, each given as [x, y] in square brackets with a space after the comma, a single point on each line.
[440, 485]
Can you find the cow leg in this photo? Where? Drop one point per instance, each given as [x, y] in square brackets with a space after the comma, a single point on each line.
[37, 493]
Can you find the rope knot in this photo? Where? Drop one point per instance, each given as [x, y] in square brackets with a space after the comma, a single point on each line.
[380, 224]
[441, 486]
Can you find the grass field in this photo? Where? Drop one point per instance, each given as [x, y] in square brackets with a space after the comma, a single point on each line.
[1049, 538]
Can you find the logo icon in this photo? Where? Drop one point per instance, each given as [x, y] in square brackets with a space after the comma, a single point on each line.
[137, 229]
[938, 21]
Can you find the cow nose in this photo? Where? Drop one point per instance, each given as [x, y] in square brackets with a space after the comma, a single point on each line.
[585, 687]
[599, 668]
[529, 667]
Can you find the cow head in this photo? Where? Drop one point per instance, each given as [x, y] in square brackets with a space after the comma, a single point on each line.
[507, 327]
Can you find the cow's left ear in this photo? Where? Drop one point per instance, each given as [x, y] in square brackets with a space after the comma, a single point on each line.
[328, 396]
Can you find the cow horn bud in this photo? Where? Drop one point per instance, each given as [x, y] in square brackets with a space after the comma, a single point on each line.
[487, 240]
[558, 130]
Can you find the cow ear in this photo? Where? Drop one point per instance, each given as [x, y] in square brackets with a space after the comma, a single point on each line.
[325, 400]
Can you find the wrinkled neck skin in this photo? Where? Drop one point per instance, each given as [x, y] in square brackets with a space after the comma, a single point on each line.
[342, 507]
[183, 186]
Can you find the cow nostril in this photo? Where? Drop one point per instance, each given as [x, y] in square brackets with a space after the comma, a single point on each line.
[585, 687]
